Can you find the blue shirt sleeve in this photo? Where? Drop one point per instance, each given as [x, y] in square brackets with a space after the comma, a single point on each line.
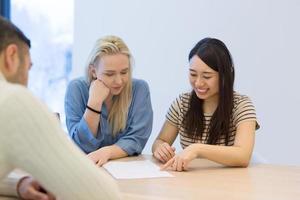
[140, 120]
[75, 101]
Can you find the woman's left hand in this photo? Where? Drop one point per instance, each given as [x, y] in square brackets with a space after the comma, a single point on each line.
[180, 161]
[100, 156]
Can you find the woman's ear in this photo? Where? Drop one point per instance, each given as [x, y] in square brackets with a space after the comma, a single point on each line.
[93, 72]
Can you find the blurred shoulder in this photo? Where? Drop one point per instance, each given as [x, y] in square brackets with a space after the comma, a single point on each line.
[16, 98]
[241, 98]
[185, 96]
[78, 82]
[139, 85]
[10, 90]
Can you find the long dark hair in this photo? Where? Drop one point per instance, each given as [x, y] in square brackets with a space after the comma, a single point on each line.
[215, 54]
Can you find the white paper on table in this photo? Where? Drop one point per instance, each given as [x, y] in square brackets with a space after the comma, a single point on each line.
[135, 169]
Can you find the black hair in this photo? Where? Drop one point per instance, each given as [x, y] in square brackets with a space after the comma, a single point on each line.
[11, 34]
[215, 54]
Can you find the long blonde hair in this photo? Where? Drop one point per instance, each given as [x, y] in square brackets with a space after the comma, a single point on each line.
[111, 45]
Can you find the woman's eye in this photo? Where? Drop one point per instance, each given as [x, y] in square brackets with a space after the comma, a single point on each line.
[193, 75]
[206, 77]
[109, 74]
[124, 73]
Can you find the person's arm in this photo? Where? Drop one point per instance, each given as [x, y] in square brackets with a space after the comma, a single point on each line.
[20, 184]
[29, 188]
[162, 147]
[139, 124]
[237, 155]
[8, 186]
[102, 155]
[44, 151]
[98, 92]
[138, 129]
[82, 123]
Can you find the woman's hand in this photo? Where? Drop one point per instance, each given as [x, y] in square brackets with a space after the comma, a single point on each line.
[97, 94]
[164, 152]
[181, 161]
[100, 156]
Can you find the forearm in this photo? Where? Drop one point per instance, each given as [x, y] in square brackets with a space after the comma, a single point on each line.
[8, 187]
[226, 155]
[92, 119]
[98, 93]
[45, 148]
[68, 162]
[115, 152]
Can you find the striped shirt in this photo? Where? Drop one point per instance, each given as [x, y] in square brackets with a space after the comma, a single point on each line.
[243, 110]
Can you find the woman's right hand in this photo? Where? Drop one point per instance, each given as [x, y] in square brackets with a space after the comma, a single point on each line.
[98, 93]
[164, 152]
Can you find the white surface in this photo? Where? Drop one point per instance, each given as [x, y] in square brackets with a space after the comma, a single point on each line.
[135, 169]
[262, 35]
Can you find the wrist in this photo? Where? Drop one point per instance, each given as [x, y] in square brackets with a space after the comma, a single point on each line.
[93, 110]
[95, 104]
[157, 143]
[107, 150]
[19, 185]
[196, 149]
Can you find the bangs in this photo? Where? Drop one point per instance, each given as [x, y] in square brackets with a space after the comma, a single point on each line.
[209, 56]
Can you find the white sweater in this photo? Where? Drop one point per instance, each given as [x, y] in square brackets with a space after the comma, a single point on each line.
[32, 139]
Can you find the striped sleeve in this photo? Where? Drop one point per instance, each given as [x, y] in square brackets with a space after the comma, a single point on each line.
[173, 115]
[244, 111]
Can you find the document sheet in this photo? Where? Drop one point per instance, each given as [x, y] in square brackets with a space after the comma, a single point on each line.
[135, 170]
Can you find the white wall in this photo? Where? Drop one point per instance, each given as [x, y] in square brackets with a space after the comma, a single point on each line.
[262, 35]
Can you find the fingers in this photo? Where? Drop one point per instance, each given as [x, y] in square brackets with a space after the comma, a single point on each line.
[185, 166]
[31, 189]
[95, 160]
[168, 164]
[179, 165]
[99, 163]
[168, 150]
[176, 164]
[98, 83]
[164, 152]
[51, 196]
[37, 195]
[102, 82]
[92, 158]
[160, 156]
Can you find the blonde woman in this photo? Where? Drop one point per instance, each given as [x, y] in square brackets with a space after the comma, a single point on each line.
[108, 113]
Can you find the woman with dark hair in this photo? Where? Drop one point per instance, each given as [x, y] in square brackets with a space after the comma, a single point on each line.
[213, 121]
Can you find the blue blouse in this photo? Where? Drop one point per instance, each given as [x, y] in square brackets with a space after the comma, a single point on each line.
[138, 127]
